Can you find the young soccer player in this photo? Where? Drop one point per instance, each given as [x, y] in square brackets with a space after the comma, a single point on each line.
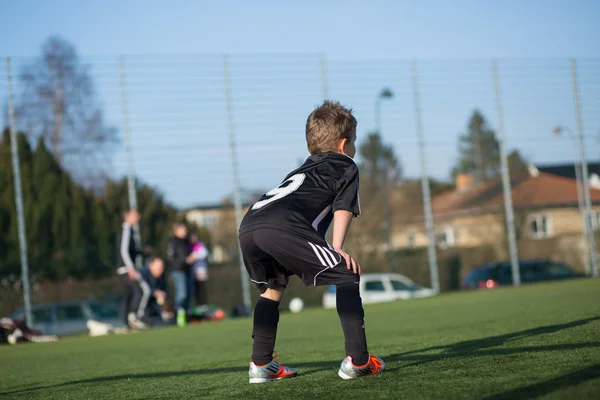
[283, 234]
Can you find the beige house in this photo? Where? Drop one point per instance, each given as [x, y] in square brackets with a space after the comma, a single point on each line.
[470, 215]
[219, 219]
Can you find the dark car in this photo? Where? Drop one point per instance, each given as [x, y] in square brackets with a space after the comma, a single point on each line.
[489, 276]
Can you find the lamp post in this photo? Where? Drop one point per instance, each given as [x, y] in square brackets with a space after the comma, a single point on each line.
[587, 198]
[385, 94]
[577, 165]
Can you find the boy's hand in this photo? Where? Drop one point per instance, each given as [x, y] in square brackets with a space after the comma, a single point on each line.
[351, 263]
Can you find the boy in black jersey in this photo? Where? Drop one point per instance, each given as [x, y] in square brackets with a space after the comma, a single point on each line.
[283, 234]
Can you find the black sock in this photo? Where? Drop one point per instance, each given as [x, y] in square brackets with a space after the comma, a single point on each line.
[264, 331]
[350, 310]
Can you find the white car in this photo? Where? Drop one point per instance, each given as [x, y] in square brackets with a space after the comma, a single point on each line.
[380, 288]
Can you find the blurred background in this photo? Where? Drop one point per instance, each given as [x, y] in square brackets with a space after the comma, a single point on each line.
[478, 134]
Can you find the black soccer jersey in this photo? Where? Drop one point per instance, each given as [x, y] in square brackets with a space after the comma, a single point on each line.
[308, 196]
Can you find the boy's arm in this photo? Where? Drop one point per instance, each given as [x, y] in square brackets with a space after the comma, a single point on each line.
[345, 206]
[341, 223]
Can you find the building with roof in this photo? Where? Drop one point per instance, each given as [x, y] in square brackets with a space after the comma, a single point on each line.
[219, 220]
[545, 205]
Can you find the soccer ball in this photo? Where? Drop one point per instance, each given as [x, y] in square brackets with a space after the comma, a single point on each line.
[296, 305]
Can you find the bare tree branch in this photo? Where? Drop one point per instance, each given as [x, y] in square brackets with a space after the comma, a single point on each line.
[58, 103]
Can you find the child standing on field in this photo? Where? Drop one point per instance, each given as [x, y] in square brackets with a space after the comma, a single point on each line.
[283, 234]
[199, 270]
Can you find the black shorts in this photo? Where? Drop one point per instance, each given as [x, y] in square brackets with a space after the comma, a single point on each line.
[272, 256]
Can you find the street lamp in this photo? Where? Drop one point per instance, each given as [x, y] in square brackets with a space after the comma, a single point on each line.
[385, 94]
[578, 165]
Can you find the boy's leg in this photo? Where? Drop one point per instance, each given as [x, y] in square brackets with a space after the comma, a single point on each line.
[271, 279]
[264, 330]
[313, 259]
[351, 313]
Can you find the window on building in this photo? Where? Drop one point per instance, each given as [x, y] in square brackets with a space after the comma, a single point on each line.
[410, 239]
[210, 221]
[446, 237]
[539, 226]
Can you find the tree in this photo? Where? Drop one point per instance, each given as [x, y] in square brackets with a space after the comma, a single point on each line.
[380, 174]
[59, 104]
[479, 151]
[69, 231]
[518, 167]
[378, 160]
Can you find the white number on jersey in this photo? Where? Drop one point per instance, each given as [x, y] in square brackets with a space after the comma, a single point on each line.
[281, 190]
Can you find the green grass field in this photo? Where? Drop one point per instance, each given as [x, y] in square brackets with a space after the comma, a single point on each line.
[540, 341]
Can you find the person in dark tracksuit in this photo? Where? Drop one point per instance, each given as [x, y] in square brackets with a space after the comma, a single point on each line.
[136, 291]
[180, 258]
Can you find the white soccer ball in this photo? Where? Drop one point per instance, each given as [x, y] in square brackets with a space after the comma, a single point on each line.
[296, 305]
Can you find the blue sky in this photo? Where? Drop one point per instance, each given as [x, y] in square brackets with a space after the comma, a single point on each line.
[175, 80]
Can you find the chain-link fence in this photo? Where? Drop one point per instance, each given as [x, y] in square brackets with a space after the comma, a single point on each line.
[490, 151]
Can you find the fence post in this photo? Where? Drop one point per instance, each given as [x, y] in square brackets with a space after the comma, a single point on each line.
[508, 206]
[14, 145]
[324, 81]
[236, 181]
[584, 172]
[128, 149]
[431, 244]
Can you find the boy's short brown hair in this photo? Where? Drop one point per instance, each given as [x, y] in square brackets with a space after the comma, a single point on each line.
[327, 125]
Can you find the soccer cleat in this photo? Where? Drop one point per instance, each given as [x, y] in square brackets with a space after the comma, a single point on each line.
[348, 370]
[272, 371]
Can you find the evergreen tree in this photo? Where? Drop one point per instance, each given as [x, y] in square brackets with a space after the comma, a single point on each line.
[378, 160]
[517, 165]
[479, 151]
[69, 231]
[380, 174]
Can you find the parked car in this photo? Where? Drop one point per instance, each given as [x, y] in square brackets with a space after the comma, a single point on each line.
[379, 288]
[68, 318]
[492, 275]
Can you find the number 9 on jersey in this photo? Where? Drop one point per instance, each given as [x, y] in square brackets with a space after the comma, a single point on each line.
[281, 190]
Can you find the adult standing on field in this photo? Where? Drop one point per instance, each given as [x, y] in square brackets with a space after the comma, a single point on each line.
[136, 291]
[180, 258]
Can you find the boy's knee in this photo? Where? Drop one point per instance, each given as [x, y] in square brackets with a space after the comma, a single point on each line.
[274, 294]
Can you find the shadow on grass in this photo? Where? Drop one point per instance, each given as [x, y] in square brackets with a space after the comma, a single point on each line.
[470, 348]
[548, 386]
[312, 366]
[482, 347]
[494, 341]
